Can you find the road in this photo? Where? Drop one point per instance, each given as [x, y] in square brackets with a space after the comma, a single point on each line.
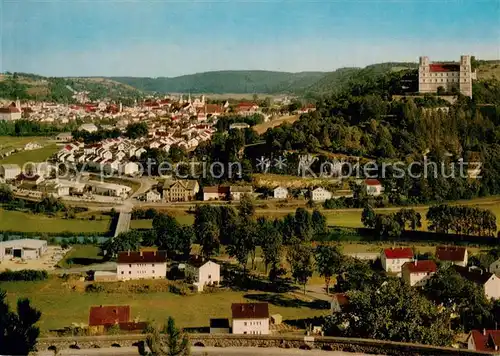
[209, 351]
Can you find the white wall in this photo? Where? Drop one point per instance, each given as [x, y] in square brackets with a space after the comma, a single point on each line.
[125, 271]
[492, 288]
[251, 326]
[209, 273]
[393, 264]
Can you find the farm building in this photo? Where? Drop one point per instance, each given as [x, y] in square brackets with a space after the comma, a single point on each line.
[28, 249]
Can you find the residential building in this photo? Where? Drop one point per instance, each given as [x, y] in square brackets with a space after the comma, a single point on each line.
[27, 249]
[393, 259]
[320, 194]
[11, 113]
[484, 341]
[488, 281]
[153, 196]
[239, 126]
[54, 188]
[453, 77]
[220, 326]
[141, 265]
[64, 137]
[129, 168]
[495, 267]
[9, 171]
[373, 187]
[456, 255]
[280, 193]
[180, 190]
[215, 193]
[237, 191]
[88, 127]
[417, 273]
[338, 301]
[203, 272]
[250, 318]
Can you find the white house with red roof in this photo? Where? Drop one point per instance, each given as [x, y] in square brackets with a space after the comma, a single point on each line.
[393, 259]
[373, 187]
[485, 341]
[417, 273]
[11, 112]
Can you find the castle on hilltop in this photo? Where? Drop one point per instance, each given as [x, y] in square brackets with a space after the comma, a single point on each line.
[453, 77]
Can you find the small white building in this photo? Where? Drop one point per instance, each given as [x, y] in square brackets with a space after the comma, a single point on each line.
[153, 196]
[320, 194]
[141, 265]
[129, 168]
[393, 259]
[237, 191]
[417, 273]
[88, 127]
[250, 318]
[373, 187]
[9, 171]
[280, 193]
[64, 137]
[108, 189]
[27, 249]
[205, 273]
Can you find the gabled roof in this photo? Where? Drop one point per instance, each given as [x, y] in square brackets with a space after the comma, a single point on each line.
[475, 275]
[400, 252]
[372, 182]
[485, 340]
[142, 257]
[106, 315]
[450, 253]
[444, 67]
[422, 266]
[250, 310]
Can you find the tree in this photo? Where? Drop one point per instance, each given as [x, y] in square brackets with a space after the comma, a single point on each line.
[6, 194]
[18, 332]
[271, 242]
[207, 230]
[368, 216]
[246, 208]
[170, 236]
[169, 341]
[318, 222]
[127, 241]
[137, 130]
[328, 262]
[303, 225]
[301, 263]
[243, 243]
[393, 311]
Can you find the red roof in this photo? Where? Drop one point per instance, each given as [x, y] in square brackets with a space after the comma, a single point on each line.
[486, 340]
[142, 257]
[246, 105]
[421, 266]
[250, 310]
[68, 147]
[9, 110]
[444, 67]
[106, 315]
[400, 252]
[450, 253]
[372, 182]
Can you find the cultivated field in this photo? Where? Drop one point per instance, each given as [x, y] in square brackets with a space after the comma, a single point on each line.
[9, 142]
[38, 155]
[61, 305]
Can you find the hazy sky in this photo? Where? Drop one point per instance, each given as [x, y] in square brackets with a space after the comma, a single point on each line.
[170, 38]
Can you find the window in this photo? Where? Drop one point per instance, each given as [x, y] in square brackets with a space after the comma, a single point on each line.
[129, 272]
[122, 272]
[153, 266]
[209, 276]
[130, 265]
[245, 323]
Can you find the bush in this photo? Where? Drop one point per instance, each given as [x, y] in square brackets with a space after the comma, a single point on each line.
[94, 288]
[180, 289]
[23, 275]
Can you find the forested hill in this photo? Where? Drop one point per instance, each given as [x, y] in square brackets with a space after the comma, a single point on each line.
[220, 82]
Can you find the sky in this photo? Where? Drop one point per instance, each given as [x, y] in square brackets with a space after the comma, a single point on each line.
[169, 38]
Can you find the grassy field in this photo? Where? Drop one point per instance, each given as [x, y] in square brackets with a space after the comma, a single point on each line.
[81, 255]
[61, 306]
[23, 157]
[25, 222]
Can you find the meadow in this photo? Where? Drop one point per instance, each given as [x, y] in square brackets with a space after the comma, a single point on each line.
[39, 155]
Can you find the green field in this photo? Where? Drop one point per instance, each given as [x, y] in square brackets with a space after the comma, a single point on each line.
[81, 255]
[23, 157]
[61, 306]
[26, 222]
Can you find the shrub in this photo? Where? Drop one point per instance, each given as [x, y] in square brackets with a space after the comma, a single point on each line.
[23, 275]
[94, 288]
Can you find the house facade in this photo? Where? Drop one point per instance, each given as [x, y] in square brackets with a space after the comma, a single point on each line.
[141, 265]
[373, 187]
[417, 273]
[320, 194]
[9, 171]
[484, 341]
[280, 193]
[250, 318]
[205, 273]
[455, 255]
[488, 281]
[27, 249]
[237, 191]
[393, 259]
[215, 193]
[180, 190]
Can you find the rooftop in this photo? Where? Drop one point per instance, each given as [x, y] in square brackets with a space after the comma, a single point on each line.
[400, 252]
[106, 315]
[142, 257]
[250, 310]
[450, 253]
[421, 266]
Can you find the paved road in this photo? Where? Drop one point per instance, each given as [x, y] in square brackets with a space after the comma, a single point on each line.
[209, 351]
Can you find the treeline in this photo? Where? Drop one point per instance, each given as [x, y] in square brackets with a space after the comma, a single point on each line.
[462, 219]
[23, 275]
[94, 137]
[32, 128]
